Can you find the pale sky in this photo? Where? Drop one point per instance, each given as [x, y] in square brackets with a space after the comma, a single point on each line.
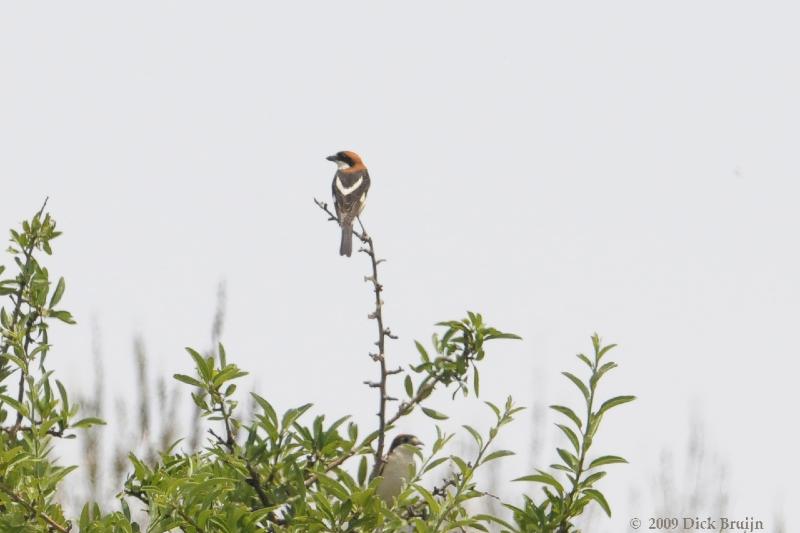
[628, 168]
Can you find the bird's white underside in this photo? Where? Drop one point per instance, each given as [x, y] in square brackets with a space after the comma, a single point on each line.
[347, 190]
[396, 473]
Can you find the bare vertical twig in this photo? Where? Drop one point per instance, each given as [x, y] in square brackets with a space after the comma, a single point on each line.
[380, 357]
[383, 333]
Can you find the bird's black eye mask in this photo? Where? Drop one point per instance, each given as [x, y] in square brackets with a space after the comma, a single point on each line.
[344, 158]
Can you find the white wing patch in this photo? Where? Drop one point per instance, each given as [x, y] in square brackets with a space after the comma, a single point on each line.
[347, 190]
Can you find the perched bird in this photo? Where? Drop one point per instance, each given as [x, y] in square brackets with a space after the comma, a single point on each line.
[396, 469]
[350, 186]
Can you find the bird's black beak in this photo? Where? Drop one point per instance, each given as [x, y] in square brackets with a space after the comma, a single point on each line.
[332, 158]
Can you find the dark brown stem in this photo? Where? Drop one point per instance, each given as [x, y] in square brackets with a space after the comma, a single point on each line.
[378, 316]
[17, 313]
[139, 495]
[563, 525]
[423, 391]
[22, 374]
[188, 519]
[383, 332]
[230, 443]
[28, 429]
[52, 524]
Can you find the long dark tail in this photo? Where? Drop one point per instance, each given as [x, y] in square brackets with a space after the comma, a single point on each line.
[346, 247]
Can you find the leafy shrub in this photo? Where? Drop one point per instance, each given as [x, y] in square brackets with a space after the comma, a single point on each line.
[279, 471]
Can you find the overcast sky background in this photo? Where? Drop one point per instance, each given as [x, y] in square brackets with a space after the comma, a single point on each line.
[628, 168]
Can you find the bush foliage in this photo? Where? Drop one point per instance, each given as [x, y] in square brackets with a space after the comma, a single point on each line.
[281, 470]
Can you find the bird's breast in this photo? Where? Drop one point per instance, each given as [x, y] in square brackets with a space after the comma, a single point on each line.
[345, 189]
[396, 473]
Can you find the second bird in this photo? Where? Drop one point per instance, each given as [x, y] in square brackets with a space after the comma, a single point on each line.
[350, 186]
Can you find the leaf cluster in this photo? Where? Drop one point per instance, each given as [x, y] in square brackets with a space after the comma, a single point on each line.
[279, 470]
[563, 502]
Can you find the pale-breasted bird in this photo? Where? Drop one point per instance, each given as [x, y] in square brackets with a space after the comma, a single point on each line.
[396, 469]
[350, 186]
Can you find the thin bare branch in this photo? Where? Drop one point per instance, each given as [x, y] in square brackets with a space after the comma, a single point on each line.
[383, 333]
[32, 509]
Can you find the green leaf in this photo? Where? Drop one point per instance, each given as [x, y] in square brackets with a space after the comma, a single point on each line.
[573, 438]
[19, 407]
[569, 459]
[291, 415]
[429, 499]
[494, 408]
[223, 358]
[494, 520]
[543, 477]
[475, 435]
[607, 460]
[590, 480]
[88, 422]
[597, 496]
[333, 486]
[433, 464]
[613, 402]
[188, 380]
[436, 415]
[603, 369]
[569, 413]
[17, 361]
[462, 466]
[497, 455]
[362, 470]
[228, 373]
[501, 335]
[200, 362]
[63, 316]
[64, 399]
[409, 385]
[61, 473]
[476, 382]
[269, 411]
[585, 360]
[578, 383]
[422, 352]
[605, 349]
[58, 293]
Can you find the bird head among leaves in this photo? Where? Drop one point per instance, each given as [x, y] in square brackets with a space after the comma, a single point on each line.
[404, 438]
